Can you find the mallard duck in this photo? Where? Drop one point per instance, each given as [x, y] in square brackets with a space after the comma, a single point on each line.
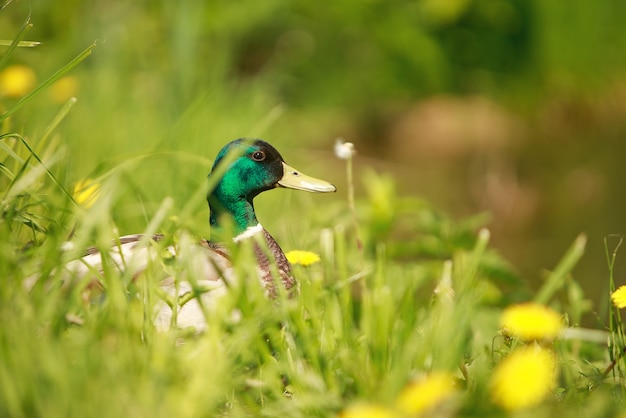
[253, 166]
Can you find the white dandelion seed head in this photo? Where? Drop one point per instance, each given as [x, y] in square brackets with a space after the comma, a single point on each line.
[343, 149]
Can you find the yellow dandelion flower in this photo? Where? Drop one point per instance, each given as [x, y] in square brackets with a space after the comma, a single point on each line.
[619, 297]
[524, 378]
[304, 258]
[367, 411]
[16, 81]
[531, 321]
[63, 89]
[86, 192]
[426, 393]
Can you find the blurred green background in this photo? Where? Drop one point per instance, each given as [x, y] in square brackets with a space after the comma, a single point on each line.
[512, 107]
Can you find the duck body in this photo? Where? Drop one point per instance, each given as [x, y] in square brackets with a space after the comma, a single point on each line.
[242, 169]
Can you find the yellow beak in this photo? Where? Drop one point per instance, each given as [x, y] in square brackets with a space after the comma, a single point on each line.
[293, 179]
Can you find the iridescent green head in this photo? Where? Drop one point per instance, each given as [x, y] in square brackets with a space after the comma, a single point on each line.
[255, 166]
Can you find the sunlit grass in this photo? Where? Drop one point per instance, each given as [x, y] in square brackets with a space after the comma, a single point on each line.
[399, 311]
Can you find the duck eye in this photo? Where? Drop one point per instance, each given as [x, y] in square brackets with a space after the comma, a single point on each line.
[258, 156]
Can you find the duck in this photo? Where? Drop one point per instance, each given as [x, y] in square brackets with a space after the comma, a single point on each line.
[242, 170]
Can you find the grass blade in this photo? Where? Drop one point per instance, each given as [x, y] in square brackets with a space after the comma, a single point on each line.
[60, 73]
[34, 154]
[20, 44]
[20, 35]
[5, 4]
[557, 277]
[57, 119]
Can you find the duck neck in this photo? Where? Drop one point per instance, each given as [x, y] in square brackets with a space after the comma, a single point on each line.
[241, 211]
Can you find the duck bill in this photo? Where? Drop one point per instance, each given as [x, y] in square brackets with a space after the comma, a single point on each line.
[293, 179]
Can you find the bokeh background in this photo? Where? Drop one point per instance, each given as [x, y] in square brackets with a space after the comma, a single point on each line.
[516, 108]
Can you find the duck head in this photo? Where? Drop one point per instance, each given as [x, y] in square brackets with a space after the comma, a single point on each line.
[252, 166]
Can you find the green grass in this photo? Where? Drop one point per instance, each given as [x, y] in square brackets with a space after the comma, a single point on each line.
[366, 322]
[422, 293]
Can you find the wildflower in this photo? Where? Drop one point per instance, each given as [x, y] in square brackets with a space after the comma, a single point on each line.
[367, 411]
[63, 89]
[16, 81]
[344, 150]
[85, 192]
[619, 297]
[304, 258]
[524, 378]
[531, 321]
[425, 394]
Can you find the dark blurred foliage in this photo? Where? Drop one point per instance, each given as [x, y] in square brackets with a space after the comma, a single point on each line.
[350, 53]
